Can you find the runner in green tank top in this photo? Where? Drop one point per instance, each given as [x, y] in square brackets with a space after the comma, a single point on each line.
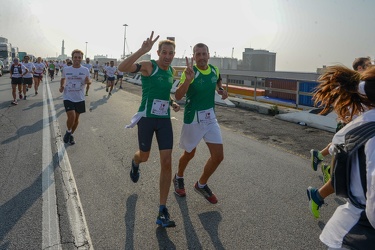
[153, 115]
[156, 93]
[199, 83]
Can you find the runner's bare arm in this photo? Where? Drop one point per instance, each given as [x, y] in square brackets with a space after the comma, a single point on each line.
[129, 65]
[189, 74]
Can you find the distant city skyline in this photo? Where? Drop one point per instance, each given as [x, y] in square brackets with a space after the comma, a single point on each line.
[304, 34]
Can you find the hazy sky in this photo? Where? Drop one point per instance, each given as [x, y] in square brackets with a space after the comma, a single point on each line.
[304, 34]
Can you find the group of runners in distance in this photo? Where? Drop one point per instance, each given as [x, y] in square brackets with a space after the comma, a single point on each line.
[350, 93]
[26, 73]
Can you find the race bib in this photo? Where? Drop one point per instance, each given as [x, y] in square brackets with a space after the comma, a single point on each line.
[74, 85]
[159, 107]
[206, 115]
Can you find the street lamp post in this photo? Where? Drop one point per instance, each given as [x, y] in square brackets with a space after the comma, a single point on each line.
[86, 51]
[123, 55]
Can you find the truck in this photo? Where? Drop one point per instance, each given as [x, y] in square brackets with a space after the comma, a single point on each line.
[21, 55]
[15, 52]
[6, 55]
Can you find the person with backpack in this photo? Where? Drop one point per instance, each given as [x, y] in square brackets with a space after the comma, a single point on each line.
[359, 64]
[351, 93]
[17, 71]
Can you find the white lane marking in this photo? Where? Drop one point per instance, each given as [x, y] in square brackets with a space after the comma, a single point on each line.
[50, 223]
[77, 219]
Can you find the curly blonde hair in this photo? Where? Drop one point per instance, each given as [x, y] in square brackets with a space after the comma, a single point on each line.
[338, 89]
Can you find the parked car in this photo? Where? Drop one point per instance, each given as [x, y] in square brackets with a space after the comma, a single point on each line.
[1, 67]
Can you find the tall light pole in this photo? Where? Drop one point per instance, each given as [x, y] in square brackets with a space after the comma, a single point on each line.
[86, 51]
[123, 55]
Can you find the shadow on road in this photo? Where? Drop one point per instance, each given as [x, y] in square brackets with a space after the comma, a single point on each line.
[25, 130]
[13, 210]
[130, 221]
[210, 222]
[190, 234]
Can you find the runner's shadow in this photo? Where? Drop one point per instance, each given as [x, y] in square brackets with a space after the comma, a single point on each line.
[190, 234]
[210, 222]
[25, 130]
[34, 105]
[14, 209]
[163, 239]
[94, 105]
[130, 221]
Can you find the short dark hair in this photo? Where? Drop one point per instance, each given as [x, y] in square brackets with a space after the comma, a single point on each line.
[200, 45]
[360, 61]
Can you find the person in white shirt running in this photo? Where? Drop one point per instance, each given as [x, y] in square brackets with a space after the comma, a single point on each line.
[88, 65]
[28, 77]
[120, 76]
[96, 68]
[17, 71]
[110, 72]
[40, 69]
[72, 85]
[350, 93]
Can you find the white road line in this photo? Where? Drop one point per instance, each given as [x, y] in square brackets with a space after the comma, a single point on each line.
[80, 231]
[50, 223]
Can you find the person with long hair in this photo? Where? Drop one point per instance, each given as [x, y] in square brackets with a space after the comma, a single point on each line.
[352, 96]
[360, 64]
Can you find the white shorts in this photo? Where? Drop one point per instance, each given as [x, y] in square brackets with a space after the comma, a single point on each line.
[192, 134]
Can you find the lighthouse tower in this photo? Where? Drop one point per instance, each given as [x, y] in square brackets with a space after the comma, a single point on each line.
[62, 56]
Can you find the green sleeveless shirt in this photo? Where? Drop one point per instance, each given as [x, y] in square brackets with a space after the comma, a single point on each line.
[201, 92]
[156, 90]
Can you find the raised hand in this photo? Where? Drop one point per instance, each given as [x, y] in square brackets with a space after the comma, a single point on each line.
[189, 71]
[148, 43]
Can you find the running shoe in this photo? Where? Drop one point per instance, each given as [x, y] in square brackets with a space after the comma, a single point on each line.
[14, 102]
[314, 202]
[106, 89]
[163, 219]
[21, 96]
[36, 92]
[110, 93]
[67, 137]
[316, 158]
[134, 172]
[71, 140]
[24, 97]
[326, 170]
[206, 193]
[86, 94]
[179, 186]
[121, 87]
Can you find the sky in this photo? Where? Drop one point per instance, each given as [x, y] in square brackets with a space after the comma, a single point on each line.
[304, 34]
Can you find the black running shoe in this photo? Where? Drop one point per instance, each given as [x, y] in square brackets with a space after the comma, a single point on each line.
[134, 172]
[164, 220]
[71, 140]
[67, 137]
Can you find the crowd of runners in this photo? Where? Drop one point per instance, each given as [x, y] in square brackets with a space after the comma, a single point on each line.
[24, 74]
[349, 92]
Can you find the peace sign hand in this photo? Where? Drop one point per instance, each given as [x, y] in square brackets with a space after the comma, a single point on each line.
[189, 71]
[148, 43]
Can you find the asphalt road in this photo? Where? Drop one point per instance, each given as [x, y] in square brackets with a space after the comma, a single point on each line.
[261, 184]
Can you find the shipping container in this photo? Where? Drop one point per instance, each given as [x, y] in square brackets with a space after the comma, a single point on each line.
[307, 87]
[288, 88]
